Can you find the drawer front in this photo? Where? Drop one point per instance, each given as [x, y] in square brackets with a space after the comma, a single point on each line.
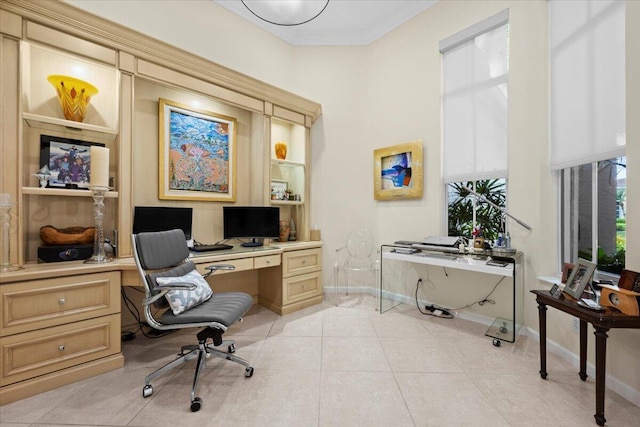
[40, 352]
[302, 287]
[266, 261]
[300, 262]
[42, 303]
[239, 264]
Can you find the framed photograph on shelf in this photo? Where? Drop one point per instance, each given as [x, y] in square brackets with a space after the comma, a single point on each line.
[579, 278]
[279, 189]
[68, 161]
[398, 172]
[197, 154]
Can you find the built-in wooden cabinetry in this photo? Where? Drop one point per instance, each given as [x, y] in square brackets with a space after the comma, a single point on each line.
[70, 312]
[54, 331]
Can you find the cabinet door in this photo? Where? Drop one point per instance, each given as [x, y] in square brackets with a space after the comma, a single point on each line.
[39, 304]
[47, 350]
[301, 262]
[298, 288]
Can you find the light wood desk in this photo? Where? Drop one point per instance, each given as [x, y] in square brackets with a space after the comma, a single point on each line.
[61, 322]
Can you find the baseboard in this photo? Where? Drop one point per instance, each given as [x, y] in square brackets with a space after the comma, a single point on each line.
[613, 383]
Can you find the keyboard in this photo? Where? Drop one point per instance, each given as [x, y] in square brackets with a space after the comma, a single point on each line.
[208, 248]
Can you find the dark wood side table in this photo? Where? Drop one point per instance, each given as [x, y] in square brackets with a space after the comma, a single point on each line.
[602, 321]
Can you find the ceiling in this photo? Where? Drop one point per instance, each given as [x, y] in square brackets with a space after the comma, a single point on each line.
[342, 23]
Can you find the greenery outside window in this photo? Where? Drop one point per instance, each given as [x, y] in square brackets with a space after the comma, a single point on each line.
[594, 214]
[466, 212]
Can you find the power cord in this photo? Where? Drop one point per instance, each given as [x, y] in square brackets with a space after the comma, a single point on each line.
[131, 306]
[432, 310]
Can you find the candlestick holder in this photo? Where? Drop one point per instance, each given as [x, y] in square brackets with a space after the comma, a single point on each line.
[5, 248]
[99, 256]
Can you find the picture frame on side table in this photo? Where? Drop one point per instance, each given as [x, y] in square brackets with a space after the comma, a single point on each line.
[398, 172]
[579, 278]
[197, 154]
[68, 161]
[567, 268]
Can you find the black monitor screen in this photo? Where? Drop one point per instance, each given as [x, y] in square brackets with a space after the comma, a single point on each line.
[158, 218]
[252, 222]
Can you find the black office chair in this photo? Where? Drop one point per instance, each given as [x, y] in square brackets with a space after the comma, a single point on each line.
[162, 260]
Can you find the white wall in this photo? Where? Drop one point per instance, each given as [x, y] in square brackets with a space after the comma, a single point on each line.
[389, 93]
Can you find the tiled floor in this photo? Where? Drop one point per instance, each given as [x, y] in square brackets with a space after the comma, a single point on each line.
[336, 366]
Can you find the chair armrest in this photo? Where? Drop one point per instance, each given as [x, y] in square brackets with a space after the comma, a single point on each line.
[213, 268]
[161, 290]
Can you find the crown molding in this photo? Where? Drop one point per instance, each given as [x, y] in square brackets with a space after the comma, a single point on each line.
[68, 19]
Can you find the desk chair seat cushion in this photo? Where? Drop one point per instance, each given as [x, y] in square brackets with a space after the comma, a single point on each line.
[224, 308]
[182, 300]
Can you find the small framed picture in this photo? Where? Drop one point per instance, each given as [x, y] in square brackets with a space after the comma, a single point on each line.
[279, 190]
[579, 278]
[68, 160]
[566, 271]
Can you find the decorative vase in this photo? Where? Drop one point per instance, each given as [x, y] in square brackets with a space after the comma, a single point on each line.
[292, 230]
[284, 230]
[281, 150]
[74, 95]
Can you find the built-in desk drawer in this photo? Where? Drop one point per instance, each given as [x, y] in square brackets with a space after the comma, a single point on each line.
[301, 287]
[239, 264]
[47, 350]
[266, 261]
[39, 304]
[300, 262]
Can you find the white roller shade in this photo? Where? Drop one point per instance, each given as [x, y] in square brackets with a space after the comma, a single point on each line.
[587, 59]
[475, 100]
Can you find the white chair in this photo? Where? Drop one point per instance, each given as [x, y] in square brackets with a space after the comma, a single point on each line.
[358, 255]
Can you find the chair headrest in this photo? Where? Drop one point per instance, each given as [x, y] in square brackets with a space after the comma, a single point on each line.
[161, 249]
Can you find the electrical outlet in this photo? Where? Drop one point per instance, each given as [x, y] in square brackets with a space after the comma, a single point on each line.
[576, 325]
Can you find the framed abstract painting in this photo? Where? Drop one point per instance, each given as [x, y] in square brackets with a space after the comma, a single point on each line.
[398, 171]
[197, 154]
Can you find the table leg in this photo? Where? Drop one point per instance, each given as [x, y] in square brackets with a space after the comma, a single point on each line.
[601, 359]
[542, 319]
[583, 350]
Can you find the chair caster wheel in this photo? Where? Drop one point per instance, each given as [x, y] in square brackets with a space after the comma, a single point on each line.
[232, 348]
[497, 342]
[248, 372]
[196, 404]
[147, 391]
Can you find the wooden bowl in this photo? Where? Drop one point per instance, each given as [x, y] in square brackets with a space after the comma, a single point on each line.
[53, 236]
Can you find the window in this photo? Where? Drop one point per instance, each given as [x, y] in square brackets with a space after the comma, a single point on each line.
[467, 212]
[475, 69]
[594, 213]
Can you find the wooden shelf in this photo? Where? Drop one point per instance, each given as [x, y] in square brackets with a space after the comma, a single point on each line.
[39, 191]
[287, 202]
[53, 123]
[287, 163]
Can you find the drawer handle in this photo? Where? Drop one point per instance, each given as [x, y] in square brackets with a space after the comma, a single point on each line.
[61, 347]
[268, 262]
[304, 261]
[62, 301]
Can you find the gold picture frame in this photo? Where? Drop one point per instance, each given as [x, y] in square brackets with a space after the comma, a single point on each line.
[197, 154]
[398, 171]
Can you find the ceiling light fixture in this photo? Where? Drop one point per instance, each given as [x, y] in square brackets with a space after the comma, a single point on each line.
[286, 13]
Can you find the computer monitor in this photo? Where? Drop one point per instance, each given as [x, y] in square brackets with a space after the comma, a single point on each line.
[160, 218]
[251, 222]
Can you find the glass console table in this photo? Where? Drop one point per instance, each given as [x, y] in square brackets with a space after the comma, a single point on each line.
[392, 271]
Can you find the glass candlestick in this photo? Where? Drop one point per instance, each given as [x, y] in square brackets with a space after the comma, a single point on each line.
[5, 226]
[99, 256]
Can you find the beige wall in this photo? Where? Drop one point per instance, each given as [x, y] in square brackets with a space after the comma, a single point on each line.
[389, 93]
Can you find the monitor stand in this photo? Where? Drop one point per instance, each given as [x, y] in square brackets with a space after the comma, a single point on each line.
[256, 241]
